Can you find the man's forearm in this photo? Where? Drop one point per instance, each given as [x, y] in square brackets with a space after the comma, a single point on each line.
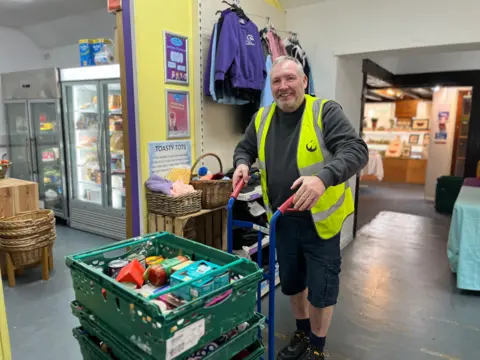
[349, 151]
[345, 164]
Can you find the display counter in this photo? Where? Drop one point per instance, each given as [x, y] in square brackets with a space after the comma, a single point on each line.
[404, 170]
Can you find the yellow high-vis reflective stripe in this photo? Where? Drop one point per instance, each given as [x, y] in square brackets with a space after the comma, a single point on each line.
[336, 204]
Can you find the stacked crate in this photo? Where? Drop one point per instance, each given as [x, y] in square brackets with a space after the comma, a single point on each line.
[118, 323]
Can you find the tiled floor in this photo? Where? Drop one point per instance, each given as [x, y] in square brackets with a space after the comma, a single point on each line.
[398, 297]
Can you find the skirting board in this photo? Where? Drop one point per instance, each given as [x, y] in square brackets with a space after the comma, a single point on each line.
[344, 242]
[429, 198]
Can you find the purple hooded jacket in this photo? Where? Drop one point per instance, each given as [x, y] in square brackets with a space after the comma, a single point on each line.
[240, 53]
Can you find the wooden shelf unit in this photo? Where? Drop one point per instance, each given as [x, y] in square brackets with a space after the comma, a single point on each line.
[208, 227]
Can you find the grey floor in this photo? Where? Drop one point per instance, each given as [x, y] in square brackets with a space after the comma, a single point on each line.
[398, 297]
[38, 312]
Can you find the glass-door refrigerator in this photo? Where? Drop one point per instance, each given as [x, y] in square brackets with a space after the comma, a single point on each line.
[35, 134]
[93, 118]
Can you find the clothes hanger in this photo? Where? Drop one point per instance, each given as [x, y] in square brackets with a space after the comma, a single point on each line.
[236, 9]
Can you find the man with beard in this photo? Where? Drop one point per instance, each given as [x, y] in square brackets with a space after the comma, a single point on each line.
[307, 147]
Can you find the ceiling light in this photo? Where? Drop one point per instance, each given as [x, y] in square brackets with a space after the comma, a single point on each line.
[436, 88]
[390, 92]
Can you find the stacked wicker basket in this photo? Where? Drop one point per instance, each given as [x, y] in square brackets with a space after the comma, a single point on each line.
[23, 237]
[209, 194]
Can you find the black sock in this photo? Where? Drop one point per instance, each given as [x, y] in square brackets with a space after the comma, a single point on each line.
[303, 325]
[317, 342]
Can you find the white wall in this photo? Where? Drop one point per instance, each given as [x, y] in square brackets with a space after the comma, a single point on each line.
[331, 29]
[461, 60]
[68, 30]
[63, 57]
[383, 111]
[18, 53]
[440, 155]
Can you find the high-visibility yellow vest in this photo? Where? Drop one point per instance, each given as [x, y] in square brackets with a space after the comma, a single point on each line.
[336, 204]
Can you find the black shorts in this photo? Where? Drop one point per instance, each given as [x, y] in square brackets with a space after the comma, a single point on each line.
[306, 260]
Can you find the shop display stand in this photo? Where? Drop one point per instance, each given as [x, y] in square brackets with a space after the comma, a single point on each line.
[272, 275]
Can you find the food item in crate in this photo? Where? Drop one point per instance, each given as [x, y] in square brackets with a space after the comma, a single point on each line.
[154, 260]
[132, 273]
[214, 345]
[141, 259]
[158, 275]
[200, 287]
[181, 266]
[115, 266]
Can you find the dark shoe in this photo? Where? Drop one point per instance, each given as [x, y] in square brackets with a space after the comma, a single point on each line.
[313, 354]
[297, 347]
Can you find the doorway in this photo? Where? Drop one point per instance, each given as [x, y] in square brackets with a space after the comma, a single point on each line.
[418, 127]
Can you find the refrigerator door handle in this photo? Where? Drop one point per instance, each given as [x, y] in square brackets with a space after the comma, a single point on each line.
[29, 154]
[100, 148]
[35, 161]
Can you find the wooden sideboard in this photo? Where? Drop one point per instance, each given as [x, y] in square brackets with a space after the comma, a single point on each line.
[404, 170]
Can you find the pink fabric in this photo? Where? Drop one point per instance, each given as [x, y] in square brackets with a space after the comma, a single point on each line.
[473, 182]
[180, 188]
[276, 45]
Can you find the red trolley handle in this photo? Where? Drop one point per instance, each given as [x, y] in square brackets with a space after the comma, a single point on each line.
[286, 206]
[238, 189]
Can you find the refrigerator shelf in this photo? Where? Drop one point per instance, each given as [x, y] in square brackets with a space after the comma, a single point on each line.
[87, 111]
[91, 167]
[85, 182]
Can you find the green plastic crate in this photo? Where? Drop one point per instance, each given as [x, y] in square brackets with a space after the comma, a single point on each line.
[135, 318]
[89, 348]
[125, 350]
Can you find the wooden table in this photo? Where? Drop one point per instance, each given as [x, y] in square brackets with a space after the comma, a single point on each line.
[17, 196]
[208, 227]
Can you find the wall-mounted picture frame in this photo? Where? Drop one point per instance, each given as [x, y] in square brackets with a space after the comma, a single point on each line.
[176, 58]
[421, 124]
[177, 114]
[413, 139]
[404, 123]
[426, 139]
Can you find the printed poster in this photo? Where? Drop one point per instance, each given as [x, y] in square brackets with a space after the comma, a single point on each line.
[178, 114]
[176, 58]
[170, 159]
[441, 134]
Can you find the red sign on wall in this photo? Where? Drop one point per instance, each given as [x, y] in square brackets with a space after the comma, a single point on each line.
[114, 5]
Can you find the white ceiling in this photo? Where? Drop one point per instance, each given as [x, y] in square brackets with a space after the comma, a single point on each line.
[22, 13]
[288, 4]
[69, 29]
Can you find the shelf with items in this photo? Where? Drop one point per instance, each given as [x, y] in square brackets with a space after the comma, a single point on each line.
[393, 132]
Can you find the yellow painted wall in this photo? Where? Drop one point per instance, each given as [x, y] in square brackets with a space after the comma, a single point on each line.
[4, 338]
[151, 19]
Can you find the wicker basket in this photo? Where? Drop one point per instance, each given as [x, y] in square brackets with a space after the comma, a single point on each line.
[215, 193]
[27, 220]
[4, 169]
[24, 236]
[162, 204]
[26, 232]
